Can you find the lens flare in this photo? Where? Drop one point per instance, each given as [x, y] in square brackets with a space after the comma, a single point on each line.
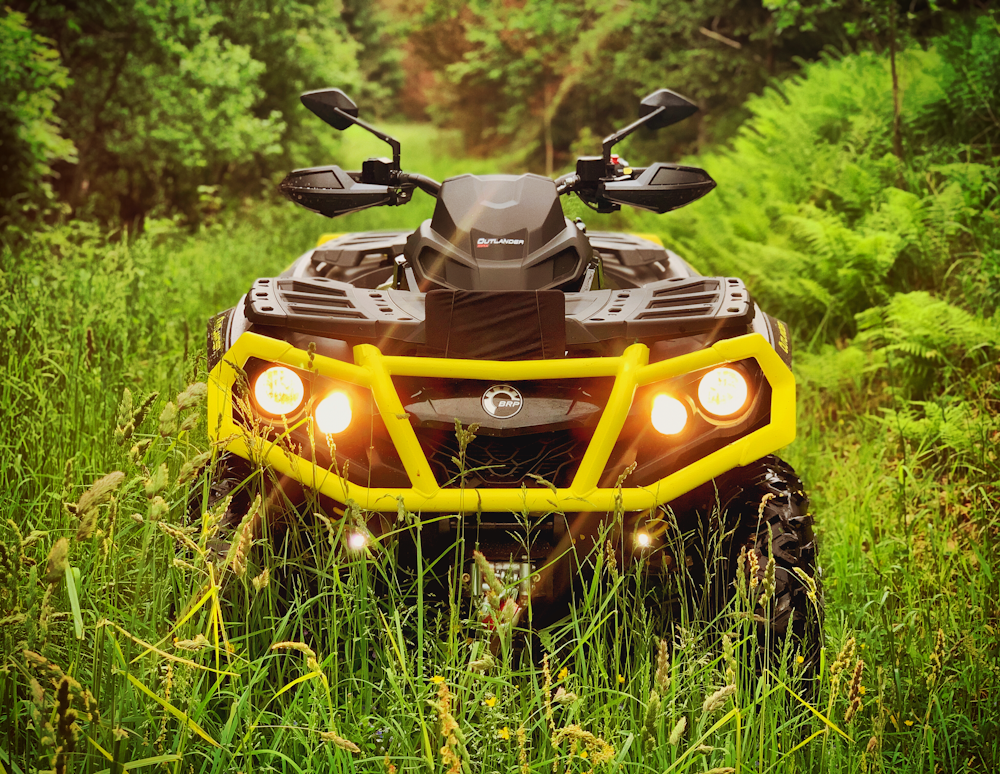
[723, 391]
[643, 540]
[333, 414]
[669, 415]
[278, 390]
[357, 541]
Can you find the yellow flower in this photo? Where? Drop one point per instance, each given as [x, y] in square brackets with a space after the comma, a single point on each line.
[563, 673]
[908, 722]
[504, 733]
[437, 679]
[862, 690]
[620, 679]
[800, 659]
[583, 753]
[490, 701]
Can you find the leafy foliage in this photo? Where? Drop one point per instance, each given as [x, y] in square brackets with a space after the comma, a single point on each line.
[32, 78]
[167, 97]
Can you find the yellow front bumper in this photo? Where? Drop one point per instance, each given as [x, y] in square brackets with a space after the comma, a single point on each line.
[374, 371]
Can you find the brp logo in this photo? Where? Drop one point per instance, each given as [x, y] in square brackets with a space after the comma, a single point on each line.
[502, 401]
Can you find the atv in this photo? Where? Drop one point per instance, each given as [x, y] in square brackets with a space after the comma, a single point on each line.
[502, 370]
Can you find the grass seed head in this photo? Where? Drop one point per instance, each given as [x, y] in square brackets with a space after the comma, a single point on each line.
[754, 569]
[547, 693]
[935, 659]
[811, 589]
[844, 658]
[717, 700]
[729, 657]
[522, 749]
[599, 751]
[651, 722]
[168, 420]
[200, 642]
[339, 741]
[58, 560]
[662, 676]
[99, 493]
[678, 731]
[157, 482]
[262, 581]
[192, 395]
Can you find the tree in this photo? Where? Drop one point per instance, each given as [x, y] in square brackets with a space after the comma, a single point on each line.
[170, 96]
[31, 140]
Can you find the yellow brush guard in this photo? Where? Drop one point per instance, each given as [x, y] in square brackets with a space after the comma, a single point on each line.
[374, 370]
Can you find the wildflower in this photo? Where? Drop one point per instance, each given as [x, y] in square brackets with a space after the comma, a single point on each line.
[490, 701]
[907, 723]
[504, 733]
[563, 673]
[800, 659]
[621, 679]
[862, 690]
[437, 679]
[583, 753]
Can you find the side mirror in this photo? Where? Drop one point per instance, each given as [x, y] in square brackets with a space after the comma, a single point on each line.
[675, 108]
[657, 110]
[333, 106]
[331, 191]
[340, 112]
[660, 188]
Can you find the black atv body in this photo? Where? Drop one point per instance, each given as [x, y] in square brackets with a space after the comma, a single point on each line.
[505, 372]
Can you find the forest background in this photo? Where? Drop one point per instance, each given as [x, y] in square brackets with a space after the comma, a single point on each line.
[141, 143]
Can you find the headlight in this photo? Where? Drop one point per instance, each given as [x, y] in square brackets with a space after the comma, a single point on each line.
[278, 390]
[669, 415]
[723, 391]
[333, 414]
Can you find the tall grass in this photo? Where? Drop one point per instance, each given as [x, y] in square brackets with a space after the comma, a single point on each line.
[132, 639]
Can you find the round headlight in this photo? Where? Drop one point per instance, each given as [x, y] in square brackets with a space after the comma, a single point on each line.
[278, 390]
[723, 391]
[669, 415]
[333, 414]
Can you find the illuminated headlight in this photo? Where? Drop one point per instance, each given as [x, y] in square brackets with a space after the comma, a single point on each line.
[278, 390]
[333, 414]
[356, 541]
[669, 415]
[643, 540]
[723, 391]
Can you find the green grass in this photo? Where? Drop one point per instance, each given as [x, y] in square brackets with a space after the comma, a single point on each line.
[907, 515]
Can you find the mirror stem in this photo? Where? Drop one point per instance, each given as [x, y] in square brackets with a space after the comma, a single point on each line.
[621, 134]
[393, 142]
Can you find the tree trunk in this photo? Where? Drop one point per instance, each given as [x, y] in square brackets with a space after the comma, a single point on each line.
[897, 134]
[547, 128]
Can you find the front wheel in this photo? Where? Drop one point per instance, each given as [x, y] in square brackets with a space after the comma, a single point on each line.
[768, 520]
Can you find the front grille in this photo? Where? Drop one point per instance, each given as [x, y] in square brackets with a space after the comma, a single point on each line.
[492, 461]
